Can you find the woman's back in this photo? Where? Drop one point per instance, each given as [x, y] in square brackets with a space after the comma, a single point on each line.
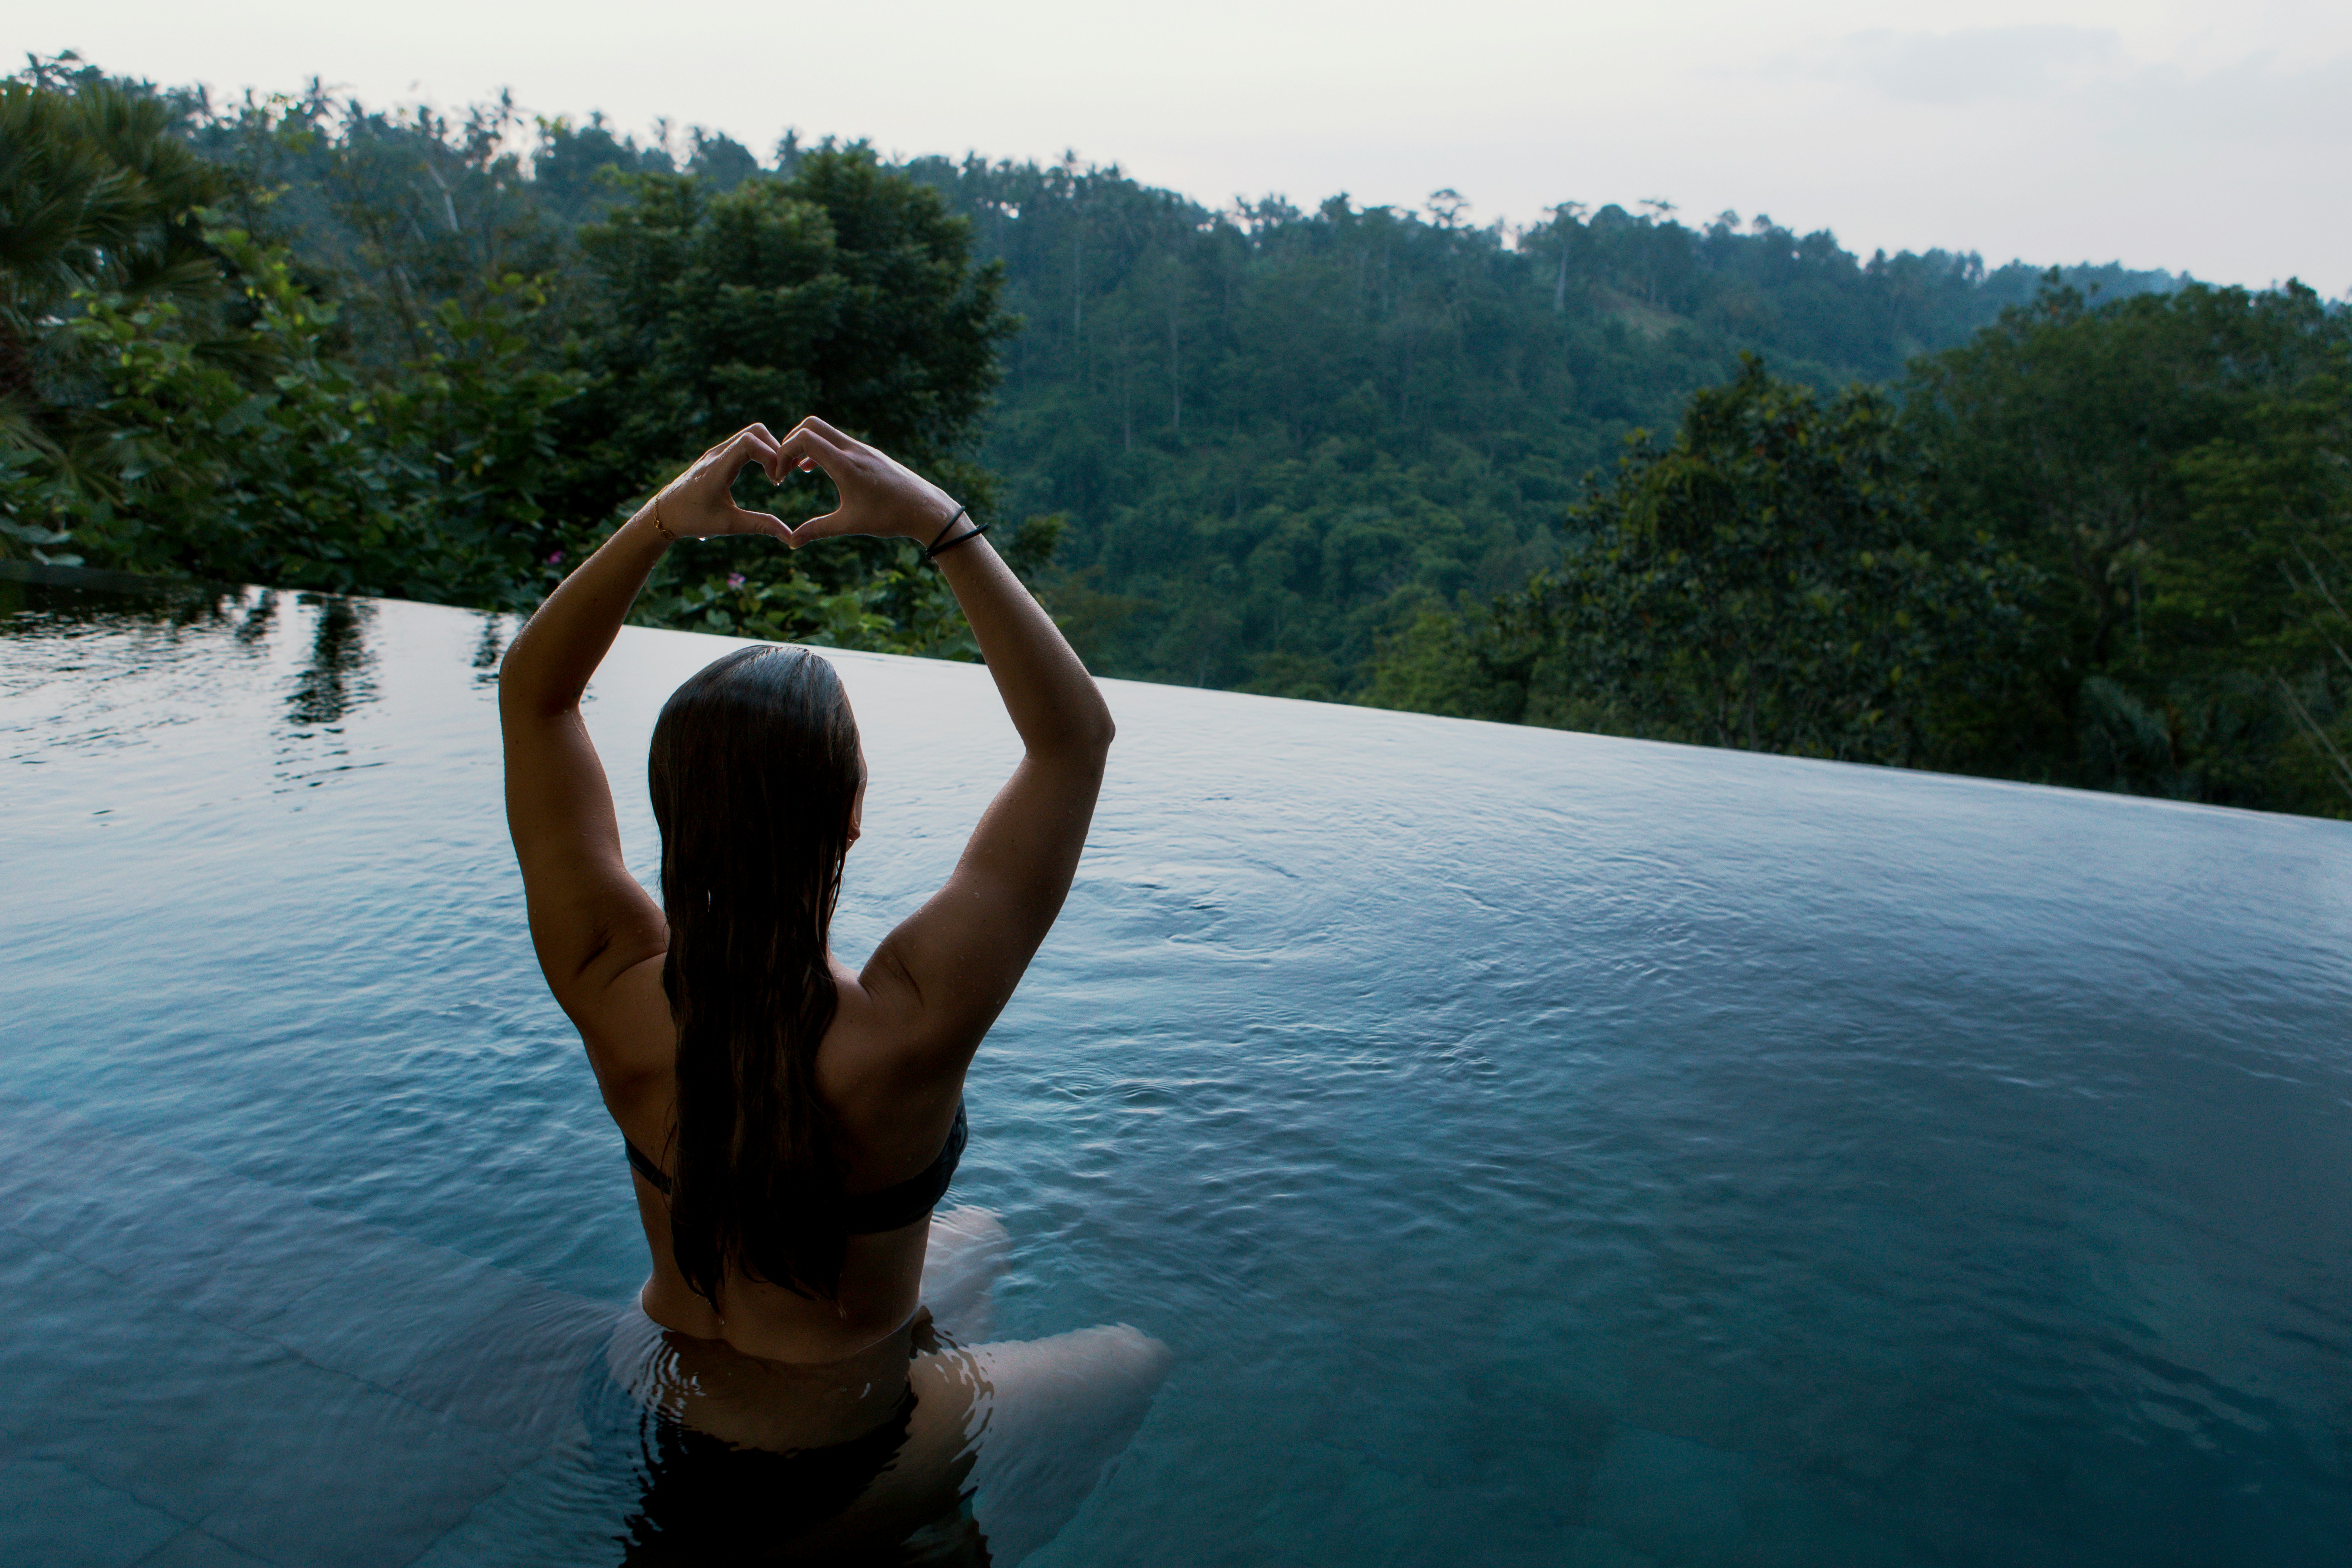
[888, 1139]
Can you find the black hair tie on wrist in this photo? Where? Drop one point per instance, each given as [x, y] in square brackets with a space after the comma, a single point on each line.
[942, 533]
[938, 549]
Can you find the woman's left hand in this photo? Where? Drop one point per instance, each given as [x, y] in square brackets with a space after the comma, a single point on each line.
[700, 504]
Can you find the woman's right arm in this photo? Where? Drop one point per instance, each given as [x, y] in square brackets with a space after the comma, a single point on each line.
[945, 973]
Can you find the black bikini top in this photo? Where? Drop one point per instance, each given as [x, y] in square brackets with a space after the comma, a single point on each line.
[865, 1214]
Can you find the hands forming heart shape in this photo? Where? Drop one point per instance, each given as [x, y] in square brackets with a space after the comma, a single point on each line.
[880, 494]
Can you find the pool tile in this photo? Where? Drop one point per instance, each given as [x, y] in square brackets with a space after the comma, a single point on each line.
[516, 1370]
[219, 1245]
[346, 1296]
[55, 1517]
[363, 1480]
[60, 1152]
[1670, 1497]
[73, 1193]
[49, 1294]
[555, 1511]
[272, 1454]
[382, 1309]
[236, 1256]
[122, 1385]
[194, 1549]
[164, 1405]
[1599, 1549]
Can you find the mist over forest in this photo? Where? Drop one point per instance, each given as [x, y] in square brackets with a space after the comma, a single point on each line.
[1624, 468]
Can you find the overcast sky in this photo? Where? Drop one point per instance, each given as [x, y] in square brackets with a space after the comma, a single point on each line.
[2178, 133]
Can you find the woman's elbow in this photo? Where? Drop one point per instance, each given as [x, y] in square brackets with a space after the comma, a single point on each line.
[511, 682]
[515, 701]
[527, 693]
[1083, 737]
[1100, 731]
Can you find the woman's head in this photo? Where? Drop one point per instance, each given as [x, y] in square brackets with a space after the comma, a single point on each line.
[755, 767]
[757, 779]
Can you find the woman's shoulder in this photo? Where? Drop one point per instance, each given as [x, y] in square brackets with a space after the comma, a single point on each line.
[631, 1041]
[894, 1101]
[866, 1050]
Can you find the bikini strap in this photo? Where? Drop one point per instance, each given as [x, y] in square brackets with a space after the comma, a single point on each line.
[644, 1166]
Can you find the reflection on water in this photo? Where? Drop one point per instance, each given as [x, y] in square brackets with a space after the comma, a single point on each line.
[1535, 1149]
[31, 596]
[335, 680]
[260, 618]
[488, 652]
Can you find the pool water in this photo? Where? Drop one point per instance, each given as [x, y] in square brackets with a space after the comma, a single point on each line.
[1535, 1148]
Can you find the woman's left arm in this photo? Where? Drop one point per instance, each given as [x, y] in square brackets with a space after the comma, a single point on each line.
[590, 921]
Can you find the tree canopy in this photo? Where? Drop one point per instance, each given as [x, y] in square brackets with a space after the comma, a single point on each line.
[1768, 580]
[1277, 432]
[2175, 468]
[2084, 526]
[2102, 545]
[431, 379]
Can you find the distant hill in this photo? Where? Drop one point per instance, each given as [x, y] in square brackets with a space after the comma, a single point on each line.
[1275, 431]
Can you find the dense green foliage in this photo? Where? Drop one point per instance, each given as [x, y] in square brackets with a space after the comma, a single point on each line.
[1273, 434]
[188, 403]
[94, 200]
[1278, 432]
[841, 291]
[2090, 527]
[2101, 546]
[351, 383]
[1766, 582]
[2175, 468]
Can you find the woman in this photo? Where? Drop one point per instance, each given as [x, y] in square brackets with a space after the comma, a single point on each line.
[790, 1122]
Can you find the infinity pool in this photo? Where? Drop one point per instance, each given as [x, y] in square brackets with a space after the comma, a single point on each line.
[1536, 1149]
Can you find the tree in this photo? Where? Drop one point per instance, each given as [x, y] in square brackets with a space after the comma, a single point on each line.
[389, 214]
[1374, 364]
[2173, 465]
[184, 406]
[1768, 582]
[843, 291]
[2245, 649]
[95, 196]
[310, 475]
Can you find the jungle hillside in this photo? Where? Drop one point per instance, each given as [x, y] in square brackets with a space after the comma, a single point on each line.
[1690, 479]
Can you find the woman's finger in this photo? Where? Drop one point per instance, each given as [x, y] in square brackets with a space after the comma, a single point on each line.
[714, 472]
[769, 457]
[760, 523]
[813, 423]
[806, 444]
[802, 454]
[753, 444]
[831, 525]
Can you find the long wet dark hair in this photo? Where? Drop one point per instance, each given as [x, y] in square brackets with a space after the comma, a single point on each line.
[755, 771]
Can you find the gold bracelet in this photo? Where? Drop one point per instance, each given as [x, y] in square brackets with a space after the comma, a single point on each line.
[659, 526]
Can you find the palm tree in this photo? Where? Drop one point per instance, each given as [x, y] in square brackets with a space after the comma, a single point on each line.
[96, 194]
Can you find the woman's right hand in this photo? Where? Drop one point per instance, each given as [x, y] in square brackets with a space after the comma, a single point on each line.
[879, 496]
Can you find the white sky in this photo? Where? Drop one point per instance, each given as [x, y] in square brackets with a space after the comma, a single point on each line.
[2176, 133]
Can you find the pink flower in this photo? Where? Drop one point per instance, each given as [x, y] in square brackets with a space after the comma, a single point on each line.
[556, 559]
[734, 579]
